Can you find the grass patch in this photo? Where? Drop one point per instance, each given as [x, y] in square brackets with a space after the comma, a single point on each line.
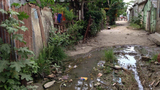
[109, 56]
[154, 58]
[135, 26]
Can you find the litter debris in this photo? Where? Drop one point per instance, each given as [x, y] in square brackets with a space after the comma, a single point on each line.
[49, 84]
[157, 84]
[30, 82]
[51, 76]
[101, 63]
[99, 74]
[70, 80]
[83, 78]
[117, 67]
[70, 66]
[114, 84]
[65, 77]
[97, 84]
[152, 83]
[64, 85]
[75, 66]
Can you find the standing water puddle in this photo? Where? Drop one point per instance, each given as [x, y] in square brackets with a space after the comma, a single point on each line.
[87, 67]
[129, 62]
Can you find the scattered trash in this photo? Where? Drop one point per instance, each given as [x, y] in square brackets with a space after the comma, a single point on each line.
[69, 66]
[101, 63]
[152, 83]
[97, 84]
[157, 84]
[30, 82]
[75, 66]
[156, 63]
[114, 84]
[51, 76]
[70, 80]
[64, 85]
[59, 72]
[65, 77]
[99, 74]
[117, 67]
[49, 84]
[83, 78]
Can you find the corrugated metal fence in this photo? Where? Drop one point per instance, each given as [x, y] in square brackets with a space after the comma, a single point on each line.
[38, 24]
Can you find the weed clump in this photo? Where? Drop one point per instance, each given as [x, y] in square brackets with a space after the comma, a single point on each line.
[109, 56]
[154, 58]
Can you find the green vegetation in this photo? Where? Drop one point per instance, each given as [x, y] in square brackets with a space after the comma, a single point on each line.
[109, 56]
[136, 22]
[135, 26]
[74, 33]
[15, 64]
[154, 58]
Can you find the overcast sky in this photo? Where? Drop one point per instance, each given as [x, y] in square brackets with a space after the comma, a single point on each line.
[126, 0]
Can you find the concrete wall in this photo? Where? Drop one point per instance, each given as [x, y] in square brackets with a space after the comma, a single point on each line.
[135, 10]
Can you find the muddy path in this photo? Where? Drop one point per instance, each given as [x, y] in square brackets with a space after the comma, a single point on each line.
[119, 35]
[128, 72]
[86, 69]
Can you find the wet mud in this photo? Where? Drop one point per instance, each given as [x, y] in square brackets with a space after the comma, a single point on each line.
[129, 72]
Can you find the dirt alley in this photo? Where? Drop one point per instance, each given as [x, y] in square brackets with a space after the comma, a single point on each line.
[119, 35]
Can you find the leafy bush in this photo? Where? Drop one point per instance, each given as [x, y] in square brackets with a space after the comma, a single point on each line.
[69, 14]
[13, 71]
[58, 39]
[137, 20]
[97, 17]
[74, 33]
[49, 55]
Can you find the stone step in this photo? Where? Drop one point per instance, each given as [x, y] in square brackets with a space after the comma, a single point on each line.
[155, 38]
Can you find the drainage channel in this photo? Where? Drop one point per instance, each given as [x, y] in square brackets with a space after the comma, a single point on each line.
[129, 62]
[87, 67]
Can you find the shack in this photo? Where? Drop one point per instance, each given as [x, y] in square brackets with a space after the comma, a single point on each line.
[149, 16]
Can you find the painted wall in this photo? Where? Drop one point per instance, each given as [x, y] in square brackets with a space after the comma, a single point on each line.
[146, 16]
[158, 17]
[153, 20]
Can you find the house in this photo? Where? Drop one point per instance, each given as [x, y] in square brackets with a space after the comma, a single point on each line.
[131, 14]
[135, 10]
[149, 15]
[158, 17]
